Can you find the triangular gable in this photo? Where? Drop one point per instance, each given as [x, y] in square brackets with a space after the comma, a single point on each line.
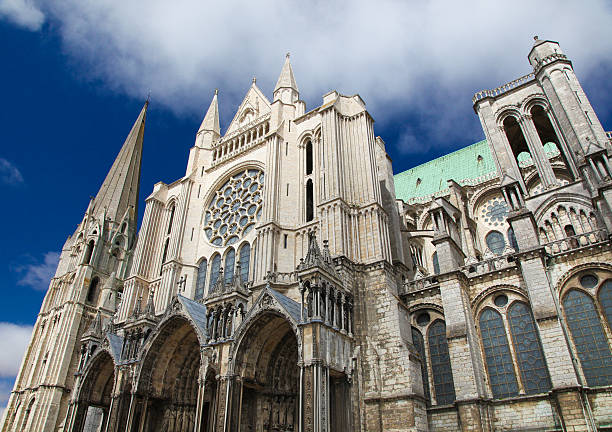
[115, 345]
[270, 299]
[197, 313]
[254, 105]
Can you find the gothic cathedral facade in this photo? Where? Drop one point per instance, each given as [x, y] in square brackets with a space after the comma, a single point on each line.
[291, 282]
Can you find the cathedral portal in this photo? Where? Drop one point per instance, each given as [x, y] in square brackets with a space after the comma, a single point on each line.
[267, 362]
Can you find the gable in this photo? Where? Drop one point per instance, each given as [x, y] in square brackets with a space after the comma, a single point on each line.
[254, 105]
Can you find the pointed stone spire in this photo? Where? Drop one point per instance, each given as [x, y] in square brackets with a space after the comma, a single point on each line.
[120, 188]
[211, 119]
[286, 78]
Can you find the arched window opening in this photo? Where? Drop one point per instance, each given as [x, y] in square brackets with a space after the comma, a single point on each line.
[26, 416]
[164, 255]
[171, 219]
[309, 158]
[517, 141]
[245, 256]
[497, 355]
[419, 344]
[589, 338]
[89, 252]
[605, 298]
[512, 239]
[201, 280]
[214, 271]
[436, 263]
[530, 356]
[548, 136]
[230, 261]
[495, 242]
[92, 290]
[309, 201]
[444, 386]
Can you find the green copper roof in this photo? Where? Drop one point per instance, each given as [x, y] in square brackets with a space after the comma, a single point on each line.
[469, 165]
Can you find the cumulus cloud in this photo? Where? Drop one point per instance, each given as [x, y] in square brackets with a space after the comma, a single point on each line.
[400, 56]
[24, 13]
[9, 173]
[37, 274]
[14, 340]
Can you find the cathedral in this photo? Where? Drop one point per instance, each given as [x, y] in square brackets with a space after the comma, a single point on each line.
[290, 281]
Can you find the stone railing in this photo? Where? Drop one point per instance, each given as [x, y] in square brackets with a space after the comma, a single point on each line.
[576, 241]
[502, 89]
[419, 284]
[282, 277]
[549, 59]
[244, 138]
[489, 265]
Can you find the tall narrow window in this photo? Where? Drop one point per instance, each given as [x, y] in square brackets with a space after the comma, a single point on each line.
[309, 201]
[517, 142]
[436, 263]
[245, 256]
[89, 251]
[201, 280]
[230, 260]
[512, 239]
[497, 355]
[419, 344]
[440, 363]
[308, 158]
[547, 134]
[530, 356]
[605, 298]
[92, 290]
[589, 338]
[165, 253]
[215, 266]
[171, 219]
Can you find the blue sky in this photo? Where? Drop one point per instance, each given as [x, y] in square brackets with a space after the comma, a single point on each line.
[74, 75]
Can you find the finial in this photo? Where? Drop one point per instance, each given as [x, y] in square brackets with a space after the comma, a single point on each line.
[148, 96]
[535, 38]
[288, 55]
[254, 80]
[216, 92]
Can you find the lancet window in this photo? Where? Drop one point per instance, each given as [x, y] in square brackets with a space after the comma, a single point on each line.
[201, 280]
[245, 256]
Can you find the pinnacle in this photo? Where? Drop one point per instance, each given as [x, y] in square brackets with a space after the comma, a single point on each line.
[211, 119]
[286, 78]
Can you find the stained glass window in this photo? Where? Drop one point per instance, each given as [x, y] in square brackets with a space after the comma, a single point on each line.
[419, 344]
[440, 363]
[589, 338]
[201, 280]
[245, 255]
[605, 298]
[528, 349]
[215, 266]
[230, 260]
[497, 355]
[495, 242]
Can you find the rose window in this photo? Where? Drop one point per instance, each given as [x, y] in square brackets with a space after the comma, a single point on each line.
[494, 212]
[234, 208]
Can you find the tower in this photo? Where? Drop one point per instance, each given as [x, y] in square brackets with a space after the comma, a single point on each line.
[82, 296]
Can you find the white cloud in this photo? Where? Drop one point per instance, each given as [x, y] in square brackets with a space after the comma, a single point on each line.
[9, 173]
[14, 340]
[24, 13]
[400, 56]
[38, 274]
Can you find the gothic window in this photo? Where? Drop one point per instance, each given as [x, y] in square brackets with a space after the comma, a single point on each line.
[495, 242]
[309, 158]
[89, 252]
[517, 142]
[201, 280]
[528, 350]
[164, 255]
[171, 219]
[440, 363]
[548, 136]
[589, 338]
[230, 260]
[215, 266]
[245, 256]
[309, 201]
[436, 263]
[494, 212]
[419, 344]
[497, 355]
[93, 288]
[512, 239]
[234, 208]
[605, 298]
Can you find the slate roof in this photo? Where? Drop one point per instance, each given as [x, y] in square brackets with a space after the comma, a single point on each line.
[116, 345]
[292, 307]
[470, 165]
[196, 311]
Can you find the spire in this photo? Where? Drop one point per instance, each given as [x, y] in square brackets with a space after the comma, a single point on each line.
[120, 188]
[286, 78]
[211, 119]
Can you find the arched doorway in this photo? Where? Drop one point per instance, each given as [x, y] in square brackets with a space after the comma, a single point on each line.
[169, 379]
[96, 393]
[267, 362]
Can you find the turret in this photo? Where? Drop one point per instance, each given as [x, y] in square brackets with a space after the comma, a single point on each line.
[286, 104]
